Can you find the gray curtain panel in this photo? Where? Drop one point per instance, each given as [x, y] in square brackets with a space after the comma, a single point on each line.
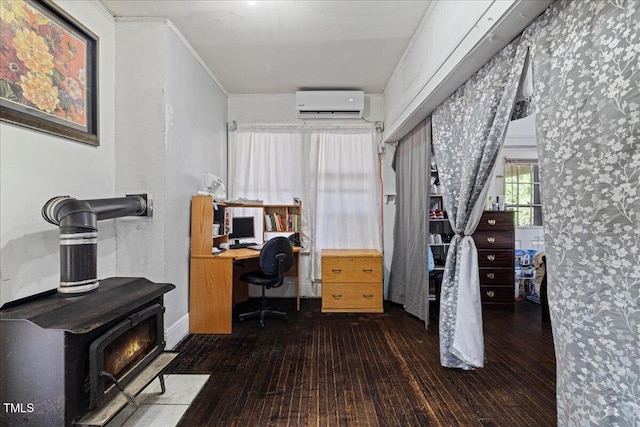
[468, 133]
[409, 277]
[586, 76]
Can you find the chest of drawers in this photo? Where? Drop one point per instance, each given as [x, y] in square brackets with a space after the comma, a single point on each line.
[495, 240]
[352, 281]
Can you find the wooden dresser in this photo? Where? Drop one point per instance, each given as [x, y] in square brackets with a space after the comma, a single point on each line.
[495, 240]
[352, 281]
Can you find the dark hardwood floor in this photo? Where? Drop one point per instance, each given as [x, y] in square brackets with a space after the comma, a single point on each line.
[369, 370]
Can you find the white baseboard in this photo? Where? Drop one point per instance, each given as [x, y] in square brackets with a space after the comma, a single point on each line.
[176, 332]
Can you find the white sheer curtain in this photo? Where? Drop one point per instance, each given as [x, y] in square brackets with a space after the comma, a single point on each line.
[344, 191]
[333, 168]
[267, 163]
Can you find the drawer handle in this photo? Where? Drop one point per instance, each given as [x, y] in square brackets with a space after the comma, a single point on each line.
[491, 294]
[336, 296]
[367, 270]
[491, 257]
[491, 221]
[491, 239]
[337, 271]
[367, 296]
[491, 275]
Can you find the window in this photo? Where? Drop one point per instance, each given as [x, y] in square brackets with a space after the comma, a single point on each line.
[522, 191]
[333, 169]
[347, 196]
[265, 164]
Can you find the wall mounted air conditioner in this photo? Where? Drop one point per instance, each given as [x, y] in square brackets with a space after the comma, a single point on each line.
[330, 104]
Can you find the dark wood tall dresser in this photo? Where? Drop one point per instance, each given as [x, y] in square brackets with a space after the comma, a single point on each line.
[495, 240]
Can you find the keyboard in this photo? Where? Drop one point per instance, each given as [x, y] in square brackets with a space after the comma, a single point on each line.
[240, 245]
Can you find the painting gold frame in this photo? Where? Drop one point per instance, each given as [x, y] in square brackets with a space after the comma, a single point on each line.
[48, 71]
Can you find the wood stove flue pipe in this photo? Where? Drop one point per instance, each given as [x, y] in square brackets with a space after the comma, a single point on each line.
[78, 220]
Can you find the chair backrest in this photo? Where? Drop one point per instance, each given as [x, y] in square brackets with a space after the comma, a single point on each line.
[268, 261]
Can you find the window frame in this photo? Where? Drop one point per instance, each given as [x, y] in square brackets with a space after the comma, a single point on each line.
[534, 207]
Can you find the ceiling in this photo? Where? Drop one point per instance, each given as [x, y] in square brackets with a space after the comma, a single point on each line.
[265, 47]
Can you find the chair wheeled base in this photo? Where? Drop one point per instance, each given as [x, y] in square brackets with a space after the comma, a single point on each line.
[264, 312]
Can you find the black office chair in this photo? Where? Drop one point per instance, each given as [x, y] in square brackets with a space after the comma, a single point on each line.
[276, 258]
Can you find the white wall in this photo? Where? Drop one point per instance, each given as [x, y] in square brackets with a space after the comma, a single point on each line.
[196, 144]
[37, 166]
[141, 139]
[454, 40]
[172, 132]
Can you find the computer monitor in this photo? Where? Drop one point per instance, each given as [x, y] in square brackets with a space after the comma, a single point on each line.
[242, 228]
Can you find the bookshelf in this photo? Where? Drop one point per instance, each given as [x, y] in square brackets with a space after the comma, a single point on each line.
[278, 220]
[205, 213]
[440, 231]
[282, 220]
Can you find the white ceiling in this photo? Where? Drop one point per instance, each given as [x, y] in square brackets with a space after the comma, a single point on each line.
[283, 46]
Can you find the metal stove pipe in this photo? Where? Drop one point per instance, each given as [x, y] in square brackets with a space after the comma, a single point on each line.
[77, 220]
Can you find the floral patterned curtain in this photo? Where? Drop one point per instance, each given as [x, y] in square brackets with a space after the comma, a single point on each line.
[586, 76]
[468, 131]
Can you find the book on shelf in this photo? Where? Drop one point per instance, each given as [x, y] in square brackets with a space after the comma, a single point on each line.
[272, 222]
[279, 222]
[293, 222]
[268, 225]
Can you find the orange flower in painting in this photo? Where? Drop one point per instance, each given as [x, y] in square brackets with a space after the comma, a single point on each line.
[39, 89]
[33, 51]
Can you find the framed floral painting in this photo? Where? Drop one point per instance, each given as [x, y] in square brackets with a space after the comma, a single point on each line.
[48, 70]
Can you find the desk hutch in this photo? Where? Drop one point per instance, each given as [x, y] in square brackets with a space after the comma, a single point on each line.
[214, 280]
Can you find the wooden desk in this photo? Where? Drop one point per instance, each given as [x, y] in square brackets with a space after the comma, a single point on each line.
[215, 287]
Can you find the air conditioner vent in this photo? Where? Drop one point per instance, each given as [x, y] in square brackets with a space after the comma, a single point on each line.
[335, 104]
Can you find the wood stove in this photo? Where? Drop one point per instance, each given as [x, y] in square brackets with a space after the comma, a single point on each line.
[64, 358]
[123, 351]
